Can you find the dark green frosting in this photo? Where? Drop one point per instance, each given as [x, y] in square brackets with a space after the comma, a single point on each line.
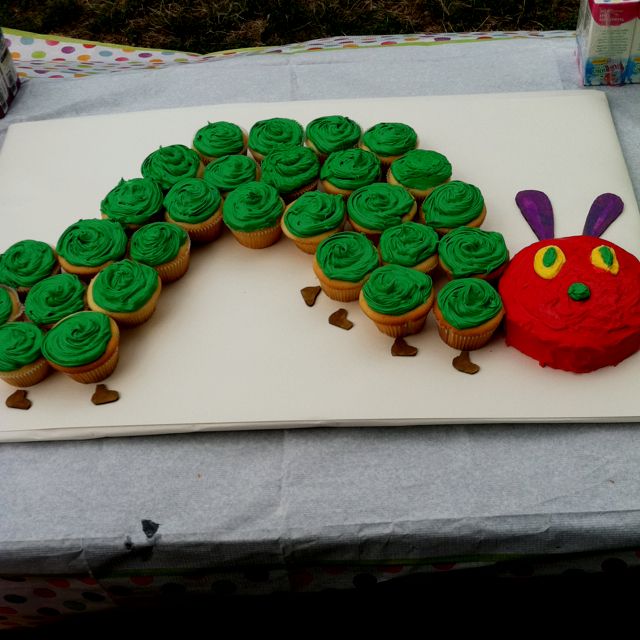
[351, 169]
[390, 138]
[6, 305]
[26, 262]
[252, 206]
[290, 168]
[467, 251]
[54, 298]
[452, 204]
[229, 172]
[267, 135]
[314, 213]
[217, 139]
[92, 242]
[124, 286]
[408, 244]
[579, 291]
[347, 255]
[192, 200]
[468, 302]
[333, 133]
[420, 169]
[133, 201]
[157, 243]
[379, 206]
[171, 164]
[20, 345]
[79, 339]
[394, 290]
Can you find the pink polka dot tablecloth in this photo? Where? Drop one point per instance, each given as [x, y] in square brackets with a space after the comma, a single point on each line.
[42, 56]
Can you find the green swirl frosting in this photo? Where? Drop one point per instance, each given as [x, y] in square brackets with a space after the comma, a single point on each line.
[290, 168]
[168, 165]
[229, 172]
[92, 242]
[408, 244]
[267, 135]
[351, 169]
[54, 298]
[390, 138]
[347, 255]
[467, 251]
[157, 243]
[421, 169]
[20, 345]
[192, 200]
[252, 206]
[452, 204]
[314, 213]
[133, 201]
[26, 262]
[333, 133]
[394, 290]
[124, 286]
[217, 139]
[6, 305]
[468, 302]
[379, 206]
[77, 340]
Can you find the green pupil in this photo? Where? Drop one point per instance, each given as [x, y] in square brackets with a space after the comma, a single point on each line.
[549, 257]
[607, 255]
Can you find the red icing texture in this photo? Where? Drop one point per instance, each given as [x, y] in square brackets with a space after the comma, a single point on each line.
[543, 322]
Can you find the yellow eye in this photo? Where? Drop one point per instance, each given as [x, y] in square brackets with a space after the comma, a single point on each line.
[548, 261]
[604, 258]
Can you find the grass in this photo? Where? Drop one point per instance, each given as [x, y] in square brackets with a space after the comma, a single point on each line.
[203, 26]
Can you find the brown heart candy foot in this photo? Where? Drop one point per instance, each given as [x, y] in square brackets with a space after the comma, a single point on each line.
[463, 363]
[339, 319]
[104, 395]
[401, 348]
[18, 400]
[310, 294]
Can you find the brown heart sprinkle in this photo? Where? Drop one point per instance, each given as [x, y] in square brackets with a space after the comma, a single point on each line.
[104, 395]
[18, 400]
[463, 363]
[401, 348]
[310, 294]
[339, 319]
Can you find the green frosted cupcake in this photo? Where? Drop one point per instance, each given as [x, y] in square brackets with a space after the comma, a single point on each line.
[389, 140]
[376, 207]
[268, 135]
[229, 172]
[252, 212]
[27, 262]
[292, 171]
[127, 291]
[343, 262]
[452, 205]
[21, 361]
[87, 246]
[328, 134]
[410, 245]
[163, 246]
[397, 299]
[169, 165]
[217, 139]
[54, 298]
[420, 172]
[133, 202]
[345, 171]
[470, 252]
[10, 308]
[195, 206]
[313, 217]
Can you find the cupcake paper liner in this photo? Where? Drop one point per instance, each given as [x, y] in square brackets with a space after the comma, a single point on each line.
[28, 375]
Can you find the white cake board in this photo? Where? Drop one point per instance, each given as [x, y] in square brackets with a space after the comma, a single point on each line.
[233, 346]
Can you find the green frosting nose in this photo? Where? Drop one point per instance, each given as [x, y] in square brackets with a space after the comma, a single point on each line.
[579, 291]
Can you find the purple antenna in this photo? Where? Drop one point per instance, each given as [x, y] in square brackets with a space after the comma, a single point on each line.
[605, 209]
[536, 209]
